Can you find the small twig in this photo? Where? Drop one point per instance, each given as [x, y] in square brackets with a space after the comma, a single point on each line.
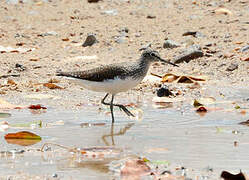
[10, 75]
[156, 75]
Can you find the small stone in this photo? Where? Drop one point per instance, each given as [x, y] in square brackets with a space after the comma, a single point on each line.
[199, 35]
[12, 1]
[137, 35]
[90, 40]
[194, 34]
[209, 44]
[232, 67]
[93, 1]
[245, 58]
[20, 67]
[120, 39]
[54, 175]
[50, 33]
[192, 52]
[170, 44]
[150, 16]
[189, 33]
[125, 29]
[112, 12]
[245, 48]
[163, 91]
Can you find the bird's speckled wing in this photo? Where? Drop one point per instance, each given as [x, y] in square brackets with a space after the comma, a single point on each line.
[97, 74]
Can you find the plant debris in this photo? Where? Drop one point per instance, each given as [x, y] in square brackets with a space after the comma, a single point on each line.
[37, 106]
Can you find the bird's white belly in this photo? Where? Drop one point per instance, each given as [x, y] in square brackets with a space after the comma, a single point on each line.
[109, 86]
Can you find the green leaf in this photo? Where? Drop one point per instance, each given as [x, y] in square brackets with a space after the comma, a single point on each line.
[38, 123]
[4, 115]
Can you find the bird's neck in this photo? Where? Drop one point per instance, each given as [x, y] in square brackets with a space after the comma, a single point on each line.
[144, 64]
[141, 67]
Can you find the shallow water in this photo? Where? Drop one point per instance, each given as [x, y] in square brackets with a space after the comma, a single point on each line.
[179, 136]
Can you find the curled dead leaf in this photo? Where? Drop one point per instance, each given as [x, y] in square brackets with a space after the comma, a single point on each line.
[228, 176]
[22, 135]
[169, 77]
[184, 79]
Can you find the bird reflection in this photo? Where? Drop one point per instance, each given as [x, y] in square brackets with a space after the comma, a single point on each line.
[122, 131]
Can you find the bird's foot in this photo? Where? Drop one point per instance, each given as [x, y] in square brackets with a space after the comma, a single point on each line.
[122, 107]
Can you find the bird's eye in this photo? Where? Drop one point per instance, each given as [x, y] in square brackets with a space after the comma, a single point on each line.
[153, 54]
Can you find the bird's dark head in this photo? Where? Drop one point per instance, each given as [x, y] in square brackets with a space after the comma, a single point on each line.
[150, 55]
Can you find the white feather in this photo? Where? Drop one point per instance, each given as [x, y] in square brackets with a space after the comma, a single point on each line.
[112, 86]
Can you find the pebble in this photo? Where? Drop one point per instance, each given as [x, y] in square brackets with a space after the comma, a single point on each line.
[192, 52]
[245, 48]
[112, 12]
[20, 67]
[90, 40]
[50, 33]
[93, 1]
[163, 91]
[12, 1]
[54, 175]
[170, 44]
[150, 16]
[194, 34]
[125, 29]
[232, 67]
[120, 39]
[209, 44]
[137, 35]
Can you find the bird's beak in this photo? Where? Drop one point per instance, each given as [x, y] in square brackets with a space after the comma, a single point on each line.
[162, 60]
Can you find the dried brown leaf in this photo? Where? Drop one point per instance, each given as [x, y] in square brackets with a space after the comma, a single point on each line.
[245, 123]
[52, 86]
[228, 176]
[169, 77]
[11, 82]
